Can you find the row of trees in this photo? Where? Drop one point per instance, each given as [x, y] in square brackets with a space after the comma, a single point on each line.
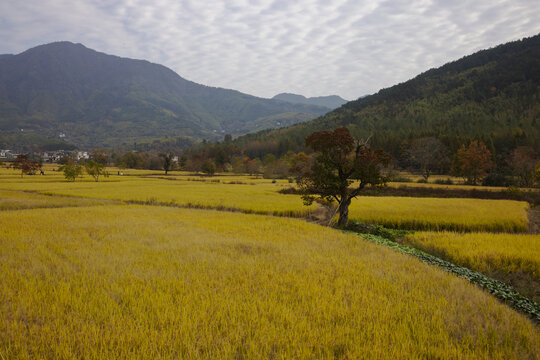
[426, 156]
[473, 162]
[73, 170]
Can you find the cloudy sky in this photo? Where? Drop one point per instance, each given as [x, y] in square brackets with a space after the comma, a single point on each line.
[264, 47]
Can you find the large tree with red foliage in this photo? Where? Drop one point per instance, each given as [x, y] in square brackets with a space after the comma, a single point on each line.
[339, 162]
[473, 162]
[26, 165]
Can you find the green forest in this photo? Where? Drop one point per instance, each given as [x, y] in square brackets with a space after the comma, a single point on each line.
[491, 96]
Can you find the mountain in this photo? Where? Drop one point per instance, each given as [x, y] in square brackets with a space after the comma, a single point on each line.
[492, 95]
[103, 100]
[331, 101]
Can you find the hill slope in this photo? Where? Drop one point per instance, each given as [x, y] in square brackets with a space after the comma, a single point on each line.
[331, 101]
[493, 95]
[99, 99]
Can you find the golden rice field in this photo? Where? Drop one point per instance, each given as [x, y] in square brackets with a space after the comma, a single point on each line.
[513, 258]
[442, 213]
[145, 282]
[447, 187]
[260, 196]
[13, 200]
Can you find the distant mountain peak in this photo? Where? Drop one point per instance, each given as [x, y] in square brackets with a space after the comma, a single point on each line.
[330, 101]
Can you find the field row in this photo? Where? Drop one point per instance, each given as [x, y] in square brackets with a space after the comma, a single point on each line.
[261, 196]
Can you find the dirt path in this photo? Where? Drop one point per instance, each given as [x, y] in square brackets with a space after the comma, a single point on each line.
[534, 220]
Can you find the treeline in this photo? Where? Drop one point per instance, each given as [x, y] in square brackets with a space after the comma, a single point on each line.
[207, 158]
[475, 161]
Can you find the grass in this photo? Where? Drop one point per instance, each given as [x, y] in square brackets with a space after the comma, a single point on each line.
[139, 282]
[442, 214]
[512, 258]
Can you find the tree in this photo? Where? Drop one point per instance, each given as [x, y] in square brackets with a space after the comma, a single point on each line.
[300, 164]
[71, 170]
[168, 162]
[99, 156]
[254, 166]
[95, 169]
[131, 160]
[26, 165]
[537, 173]
[182, 161]
[427, 155]
[269, 162]
[209, 167]
[340, 161]
[238, 165]
[523, 161]
[472, 162]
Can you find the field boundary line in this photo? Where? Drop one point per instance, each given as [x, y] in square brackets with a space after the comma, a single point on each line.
[285, 213]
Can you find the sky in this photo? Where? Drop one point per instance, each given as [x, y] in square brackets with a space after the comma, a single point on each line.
[349, 48]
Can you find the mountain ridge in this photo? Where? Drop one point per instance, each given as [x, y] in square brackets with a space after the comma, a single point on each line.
[102, 100]
[492, 95]
[330, 101]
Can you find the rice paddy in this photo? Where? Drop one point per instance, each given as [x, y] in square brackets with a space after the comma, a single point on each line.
[260, 196]
[139, 282]
[14, 200]
[442, 214]
[513, 258]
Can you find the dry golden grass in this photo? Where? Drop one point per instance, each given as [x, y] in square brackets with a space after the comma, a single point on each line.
[513, 258]
[143, 282]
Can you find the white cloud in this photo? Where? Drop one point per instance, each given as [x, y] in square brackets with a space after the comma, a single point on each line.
[262, 47]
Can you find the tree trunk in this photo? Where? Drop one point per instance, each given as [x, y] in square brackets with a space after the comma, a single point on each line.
[344, 212]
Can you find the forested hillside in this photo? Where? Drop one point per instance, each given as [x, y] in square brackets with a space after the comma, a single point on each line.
[492, 96]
